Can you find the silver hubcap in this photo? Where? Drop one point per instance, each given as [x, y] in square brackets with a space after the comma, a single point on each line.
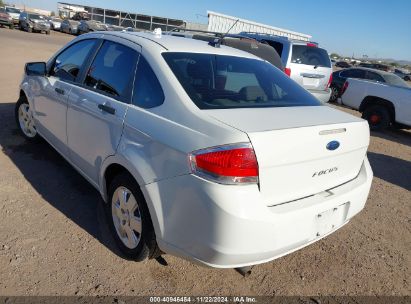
[126, 217]
[334, 93]
[26, 120]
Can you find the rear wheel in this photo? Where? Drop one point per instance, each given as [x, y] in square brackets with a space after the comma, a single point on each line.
[24, 120]
[11, 26]
[129, 219]
[378, 117]
[334, 94]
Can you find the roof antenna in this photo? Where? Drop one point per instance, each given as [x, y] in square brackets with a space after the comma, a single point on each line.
[217, 41]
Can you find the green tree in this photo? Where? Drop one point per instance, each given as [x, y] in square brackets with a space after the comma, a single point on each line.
[335, 55]
[52, 13]
[1, 3]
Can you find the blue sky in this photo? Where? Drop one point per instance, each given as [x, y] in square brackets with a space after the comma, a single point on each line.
[377, 28]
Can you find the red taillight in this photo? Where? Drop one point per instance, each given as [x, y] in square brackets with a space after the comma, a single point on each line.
[329, 82]
[231, 164]
[311, 44]
[344, 88]
[287, 71]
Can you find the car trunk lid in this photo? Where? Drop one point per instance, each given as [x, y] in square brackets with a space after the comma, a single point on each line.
[291, 148]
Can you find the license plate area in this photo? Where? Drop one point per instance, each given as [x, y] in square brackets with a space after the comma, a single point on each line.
[331, 219]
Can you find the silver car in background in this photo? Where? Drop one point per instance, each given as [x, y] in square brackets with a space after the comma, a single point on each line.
[69, 26]
[55, 23]
[31, 22]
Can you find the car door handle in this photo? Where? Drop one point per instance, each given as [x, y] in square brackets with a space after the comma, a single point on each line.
[59, 91]
[107, 109]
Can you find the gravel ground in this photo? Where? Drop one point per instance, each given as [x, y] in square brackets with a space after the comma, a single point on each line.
[54, 241]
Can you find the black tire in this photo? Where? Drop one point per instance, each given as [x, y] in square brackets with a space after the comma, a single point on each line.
[335, 92]
[378, 117]
[23, 100]
[407, 78]
[147, 245]
[11, 26]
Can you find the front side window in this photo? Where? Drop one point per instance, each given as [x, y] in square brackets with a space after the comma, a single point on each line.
[220, 82]
[303, 54]
[147, 91]
[112, 70]
[68, 63]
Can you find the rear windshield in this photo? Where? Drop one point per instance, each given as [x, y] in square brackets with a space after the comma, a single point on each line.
[12, 10]
[309, 55]
[221, 82]
[34, 16]
[393, 79]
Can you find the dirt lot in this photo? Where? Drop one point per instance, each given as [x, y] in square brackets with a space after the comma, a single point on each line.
[54, 241]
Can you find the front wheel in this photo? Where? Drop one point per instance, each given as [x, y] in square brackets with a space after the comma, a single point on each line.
[378, 117]
[129, 219]
[24, 120]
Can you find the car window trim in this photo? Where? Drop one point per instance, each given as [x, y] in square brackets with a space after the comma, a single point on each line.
[134, 84]
[128, 95]
[76, 81]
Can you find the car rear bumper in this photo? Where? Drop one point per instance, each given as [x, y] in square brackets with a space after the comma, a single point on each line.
[229, 226]
[322, 96]
[38, 27]
[5, 22]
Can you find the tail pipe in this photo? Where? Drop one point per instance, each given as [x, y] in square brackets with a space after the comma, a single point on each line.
[245, 271]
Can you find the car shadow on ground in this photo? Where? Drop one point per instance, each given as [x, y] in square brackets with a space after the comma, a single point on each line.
[399, 136]
[55, 180]
[391, 169]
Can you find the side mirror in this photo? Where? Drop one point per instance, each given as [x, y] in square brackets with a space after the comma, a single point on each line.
[35, 69]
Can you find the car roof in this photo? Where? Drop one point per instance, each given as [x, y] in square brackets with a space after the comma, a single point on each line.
[367, 69]
[179, 44]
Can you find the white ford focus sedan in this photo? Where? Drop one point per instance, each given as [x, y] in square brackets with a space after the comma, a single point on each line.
[198, 150]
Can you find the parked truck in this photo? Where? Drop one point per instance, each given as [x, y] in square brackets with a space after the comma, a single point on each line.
[382, 104]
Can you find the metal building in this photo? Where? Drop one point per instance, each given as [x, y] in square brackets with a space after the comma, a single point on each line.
[222, 23]
[115, 17]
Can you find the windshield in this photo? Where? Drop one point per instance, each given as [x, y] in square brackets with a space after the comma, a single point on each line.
[303, 54]
[12, 10]
[221, 82]
[395, 80]
[34, 16]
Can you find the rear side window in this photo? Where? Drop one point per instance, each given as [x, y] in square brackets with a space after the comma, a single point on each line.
[68, 63]
[221, 82]
[354, 73]
[147, 91]
[309, 55]
[374, 77]
[112, 69]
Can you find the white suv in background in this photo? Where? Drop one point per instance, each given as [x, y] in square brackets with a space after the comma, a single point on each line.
[305, 62]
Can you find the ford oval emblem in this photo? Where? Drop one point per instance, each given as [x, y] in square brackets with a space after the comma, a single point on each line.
[333, 145]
